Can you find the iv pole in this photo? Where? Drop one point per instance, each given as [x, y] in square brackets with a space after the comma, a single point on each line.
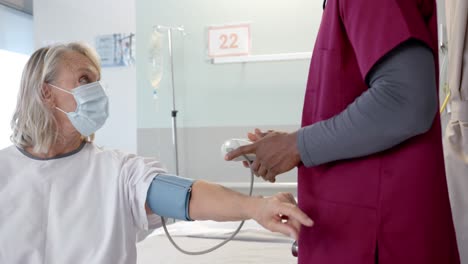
[174, 111]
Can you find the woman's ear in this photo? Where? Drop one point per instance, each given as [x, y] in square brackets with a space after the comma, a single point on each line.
[47, 95]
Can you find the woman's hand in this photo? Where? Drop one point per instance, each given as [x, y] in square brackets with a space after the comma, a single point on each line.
[279, 213]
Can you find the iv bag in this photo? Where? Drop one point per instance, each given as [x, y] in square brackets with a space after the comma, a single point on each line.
[155, 60]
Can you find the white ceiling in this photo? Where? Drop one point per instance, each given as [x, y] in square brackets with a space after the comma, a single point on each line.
[21, 5]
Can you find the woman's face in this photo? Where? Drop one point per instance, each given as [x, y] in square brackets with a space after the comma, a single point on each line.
[75, 70]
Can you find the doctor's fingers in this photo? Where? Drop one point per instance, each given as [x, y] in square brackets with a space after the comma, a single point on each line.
[270, 176]
[261, 134]
[248, 164]
[244, 150]
[273, 171]
[257, 134]
[262, 171]
[255, 166]
[252, 137]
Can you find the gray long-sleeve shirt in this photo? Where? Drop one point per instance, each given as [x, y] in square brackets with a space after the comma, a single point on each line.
[401, 102]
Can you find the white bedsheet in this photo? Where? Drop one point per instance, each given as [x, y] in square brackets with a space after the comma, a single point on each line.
[253, 244]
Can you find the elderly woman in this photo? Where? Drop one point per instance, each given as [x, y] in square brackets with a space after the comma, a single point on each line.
[65, 200]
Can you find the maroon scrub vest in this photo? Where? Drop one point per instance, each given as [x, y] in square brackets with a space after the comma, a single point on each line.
[395, 202]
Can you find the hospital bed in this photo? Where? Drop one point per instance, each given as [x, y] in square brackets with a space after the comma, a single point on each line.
[253, 244]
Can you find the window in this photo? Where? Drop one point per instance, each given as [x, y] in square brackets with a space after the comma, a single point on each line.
[11, 67]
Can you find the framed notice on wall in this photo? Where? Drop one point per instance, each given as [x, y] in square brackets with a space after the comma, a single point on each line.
[229, 40]
[116, 49]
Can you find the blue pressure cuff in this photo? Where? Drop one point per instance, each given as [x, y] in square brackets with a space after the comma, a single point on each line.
[169, 196]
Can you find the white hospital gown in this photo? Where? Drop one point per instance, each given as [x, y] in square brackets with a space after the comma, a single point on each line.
[84, 207]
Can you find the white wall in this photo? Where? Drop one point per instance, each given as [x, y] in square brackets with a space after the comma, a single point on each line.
[16, 43]
[70, 20]
[11, 67]
[16, 31]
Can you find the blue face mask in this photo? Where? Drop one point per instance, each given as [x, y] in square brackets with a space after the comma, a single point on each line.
[92, 107]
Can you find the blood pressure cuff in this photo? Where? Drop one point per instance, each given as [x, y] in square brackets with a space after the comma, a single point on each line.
[169, 196]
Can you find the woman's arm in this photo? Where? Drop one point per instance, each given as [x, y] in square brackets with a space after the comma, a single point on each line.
[208, 201]
[215, 202]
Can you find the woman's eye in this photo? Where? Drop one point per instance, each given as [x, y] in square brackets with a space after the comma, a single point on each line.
[84, 80]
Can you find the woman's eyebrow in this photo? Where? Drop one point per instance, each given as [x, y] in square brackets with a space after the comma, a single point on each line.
[89, 70]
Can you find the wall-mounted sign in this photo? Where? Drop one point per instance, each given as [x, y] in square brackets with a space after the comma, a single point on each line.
[116, 49]
[229, 40]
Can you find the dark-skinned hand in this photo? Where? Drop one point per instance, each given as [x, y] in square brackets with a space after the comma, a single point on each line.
[276, 153]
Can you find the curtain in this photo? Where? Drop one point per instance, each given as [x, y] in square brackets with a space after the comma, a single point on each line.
[456, 133]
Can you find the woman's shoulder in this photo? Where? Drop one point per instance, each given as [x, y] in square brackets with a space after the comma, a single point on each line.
[118, 155]
[103, 152]
[8, 152]
[11, 159]
[125, 160]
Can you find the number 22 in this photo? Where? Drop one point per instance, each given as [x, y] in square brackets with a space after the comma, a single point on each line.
[224, 39]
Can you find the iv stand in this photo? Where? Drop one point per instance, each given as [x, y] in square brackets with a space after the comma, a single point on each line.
[174, 111]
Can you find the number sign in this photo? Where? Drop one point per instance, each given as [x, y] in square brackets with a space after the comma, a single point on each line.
[230, 40]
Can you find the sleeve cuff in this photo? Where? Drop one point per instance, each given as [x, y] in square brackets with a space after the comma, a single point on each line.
[303, 150]
[143, 223]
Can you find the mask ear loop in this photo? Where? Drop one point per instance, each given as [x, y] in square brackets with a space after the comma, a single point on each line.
[61, 110]
[61, 89]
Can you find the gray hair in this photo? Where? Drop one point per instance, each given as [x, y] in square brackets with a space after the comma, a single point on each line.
[33, 123]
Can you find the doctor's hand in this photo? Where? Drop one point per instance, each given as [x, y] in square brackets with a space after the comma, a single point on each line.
[279, 213]
[256, 135]
[276, 153]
